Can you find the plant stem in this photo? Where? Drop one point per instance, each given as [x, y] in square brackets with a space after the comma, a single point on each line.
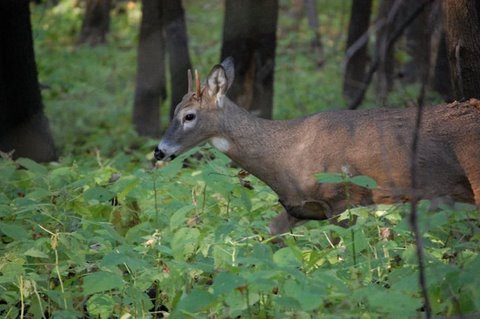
[155, 199]
[350, 217]
[22, 303]
[57, 270]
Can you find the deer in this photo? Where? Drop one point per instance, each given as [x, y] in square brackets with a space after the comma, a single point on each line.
[286, 154]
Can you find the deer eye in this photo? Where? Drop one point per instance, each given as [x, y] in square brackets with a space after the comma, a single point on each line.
[189, 117]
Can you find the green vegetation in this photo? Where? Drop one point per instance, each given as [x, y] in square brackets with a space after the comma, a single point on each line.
[101, 233]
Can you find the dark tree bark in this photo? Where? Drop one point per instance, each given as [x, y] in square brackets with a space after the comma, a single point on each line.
[96, 22]
[177, 47]
[442, 82]
[388, 43]
[461, 20]
[389, 10]
[150, 89]
[249, 36]
[23, 126]
[313, 23]
[356, 53]
[163, 30]
[418, 45]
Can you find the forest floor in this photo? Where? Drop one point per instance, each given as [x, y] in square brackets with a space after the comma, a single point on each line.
[103, 234]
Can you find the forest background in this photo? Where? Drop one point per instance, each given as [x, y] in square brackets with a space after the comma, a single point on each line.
[100, 232]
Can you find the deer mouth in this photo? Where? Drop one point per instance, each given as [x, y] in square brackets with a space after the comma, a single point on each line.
[161, 155]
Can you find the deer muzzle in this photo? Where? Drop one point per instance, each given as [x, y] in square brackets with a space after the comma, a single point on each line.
[161, 154]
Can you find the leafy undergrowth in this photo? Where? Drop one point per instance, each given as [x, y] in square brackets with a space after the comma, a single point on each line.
[193, 242]
[103, 234]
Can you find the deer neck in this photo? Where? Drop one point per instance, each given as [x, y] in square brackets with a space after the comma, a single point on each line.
[253, 143]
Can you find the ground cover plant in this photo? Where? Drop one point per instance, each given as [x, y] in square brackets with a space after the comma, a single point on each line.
[102, 233]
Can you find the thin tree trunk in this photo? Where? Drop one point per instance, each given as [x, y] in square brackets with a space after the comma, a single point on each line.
[418, 43]
[249, 36]
[462, 27]
[177, 47]
[24, 128]
[357, 60]
[312, 16]
[150, 89]
[442, 82]
[96, 23]
[388, 44]
[389, 9]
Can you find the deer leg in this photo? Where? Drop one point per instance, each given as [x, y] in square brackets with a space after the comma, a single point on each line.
[296, 215]
[469, 163]
[283, 223]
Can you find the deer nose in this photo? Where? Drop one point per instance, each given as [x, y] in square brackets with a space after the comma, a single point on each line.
[159, 154]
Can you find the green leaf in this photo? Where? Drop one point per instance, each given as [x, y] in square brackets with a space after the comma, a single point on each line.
[286, 257]
[184, 242]
[14, 231]
[197, 300]
[364, 181]
[100, 306]
[396, 304]
[101, 281]
[178, 218]
[309, 297]
[98, 193]
[334, 178]
[32, 166]
[32, 252]
[226, 282]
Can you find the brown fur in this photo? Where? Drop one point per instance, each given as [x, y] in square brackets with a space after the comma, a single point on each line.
[376, 143]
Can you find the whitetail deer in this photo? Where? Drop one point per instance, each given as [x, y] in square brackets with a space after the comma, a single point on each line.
[287, 154]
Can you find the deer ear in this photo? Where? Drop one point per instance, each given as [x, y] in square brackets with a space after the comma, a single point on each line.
[220, 79]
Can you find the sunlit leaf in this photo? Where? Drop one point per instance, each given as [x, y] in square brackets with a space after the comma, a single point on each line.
[364, 181]
[101, 281]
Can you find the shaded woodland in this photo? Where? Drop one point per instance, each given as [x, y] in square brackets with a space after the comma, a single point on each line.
[99, 230]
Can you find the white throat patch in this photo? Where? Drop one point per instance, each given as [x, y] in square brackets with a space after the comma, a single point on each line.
[220, 144]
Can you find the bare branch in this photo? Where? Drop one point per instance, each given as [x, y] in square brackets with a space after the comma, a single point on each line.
[376, 62]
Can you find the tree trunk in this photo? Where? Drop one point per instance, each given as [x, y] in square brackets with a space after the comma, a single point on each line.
[150, 88]
[249, 36]
[418, 43]
[388, 10]
[23, 125]
[461, 20]
[96, 23]
[312, 17]
[356, 53]
[442, 82]
[177, 47]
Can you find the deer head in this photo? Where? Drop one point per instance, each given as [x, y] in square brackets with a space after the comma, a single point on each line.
[198, 117]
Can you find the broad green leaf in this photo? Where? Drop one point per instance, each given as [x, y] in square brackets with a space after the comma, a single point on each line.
[32, 252]
[197, 300]
[395, 304]
[285, 257]
[178, 218]
[308, 296]
[39, 194]
[226, 282]
[101, 281]
[14, 231]
[32, 166]
[184, 242]
[334, 178]
[98, 193]
[364, 181]
[100, 306]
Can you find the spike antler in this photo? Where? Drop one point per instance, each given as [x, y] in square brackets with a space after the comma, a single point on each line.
[189, 75]
[197, 84]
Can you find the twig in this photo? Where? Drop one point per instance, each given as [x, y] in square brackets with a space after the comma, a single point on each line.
[414, 200]
[369, 76]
